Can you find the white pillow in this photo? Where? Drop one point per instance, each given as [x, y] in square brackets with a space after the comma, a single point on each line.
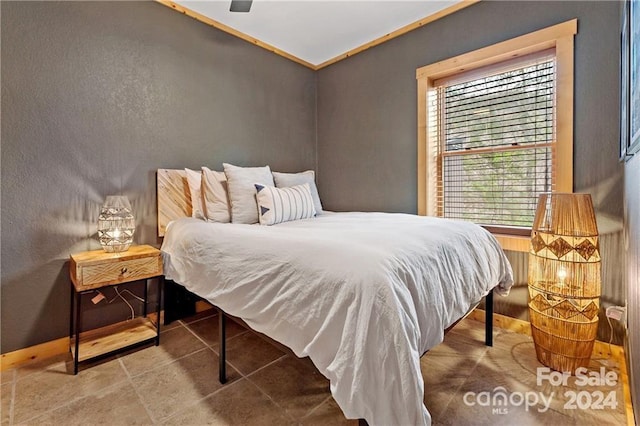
[194, 179]
[242, 192]
[285, 180]
[216, 199]
[278, 205]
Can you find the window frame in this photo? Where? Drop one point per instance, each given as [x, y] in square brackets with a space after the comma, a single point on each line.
[559, 37]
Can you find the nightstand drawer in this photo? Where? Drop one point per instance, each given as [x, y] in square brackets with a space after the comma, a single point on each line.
[98, 269]
[118, 272]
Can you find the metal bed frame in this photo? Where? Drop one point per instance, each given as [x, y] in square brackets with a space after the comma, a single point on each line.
[182, 304]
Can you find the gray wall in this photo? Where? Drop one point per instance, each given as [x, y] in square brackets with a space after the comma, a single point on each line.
[367, 121]
[632, 231]
[95, 98]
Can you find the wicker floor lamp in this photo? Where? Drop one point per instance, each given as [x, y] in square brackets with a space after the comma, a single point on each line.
[564, 280]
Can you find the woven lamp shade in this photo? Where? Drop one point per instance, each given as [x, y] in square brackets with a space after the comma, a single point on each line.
[564, 280]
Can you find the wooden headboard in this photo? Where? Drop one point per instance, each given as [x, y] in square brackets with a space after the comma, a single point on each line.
[174, 199]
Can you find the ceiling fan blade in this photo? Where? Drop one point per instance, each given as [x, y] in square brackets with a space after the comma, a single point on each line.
[240, 5]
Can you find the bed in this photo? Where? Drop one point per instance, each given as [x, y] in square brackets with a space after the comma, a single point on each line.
[363, 295]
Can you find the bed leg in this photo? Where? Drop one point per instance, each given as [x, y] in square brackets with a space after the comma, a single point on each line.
[488, 321]
[223, 349]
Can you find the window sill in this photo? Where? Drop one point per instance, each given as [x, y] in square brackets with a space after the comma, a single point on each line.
[513, 242]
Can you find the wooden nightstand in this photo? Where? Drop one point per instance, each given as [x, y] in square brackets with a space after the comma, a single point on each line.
[96, 269]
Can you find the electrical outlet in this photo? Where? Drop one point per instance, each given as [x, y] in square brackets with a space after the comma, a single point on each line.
[618, 313]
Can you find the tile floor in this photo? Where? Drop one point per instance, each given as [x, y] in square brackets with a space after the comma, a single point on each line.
[176, 383]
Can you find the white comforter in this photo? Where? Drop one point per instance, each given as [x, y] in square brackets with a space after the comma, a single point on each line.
[364, 295]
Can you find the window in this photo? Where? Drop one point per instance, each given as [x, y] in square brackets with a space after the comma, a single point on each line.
[496, 130]
[494, 137]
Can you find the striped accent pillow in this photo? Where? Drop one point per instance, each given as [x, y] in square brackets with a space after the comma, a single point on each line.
[276, 205]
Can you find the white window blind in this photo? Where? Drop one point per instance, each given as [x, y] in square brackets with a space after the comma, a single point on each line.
[494, 136]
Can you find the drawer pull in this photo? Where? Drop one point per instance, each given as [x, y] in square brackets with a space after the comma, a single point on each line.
[123, 271]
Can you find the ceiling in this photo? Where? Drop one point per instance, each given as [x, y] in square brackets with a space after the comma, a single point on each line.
[318, 31]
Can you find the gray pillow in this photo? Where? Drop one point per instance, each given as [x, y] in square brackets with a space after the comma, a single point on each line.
[242, 191]
[285, 180]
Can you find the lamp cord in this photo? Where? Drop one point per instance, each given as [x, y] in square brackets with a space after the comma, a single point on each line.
[119, 295]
